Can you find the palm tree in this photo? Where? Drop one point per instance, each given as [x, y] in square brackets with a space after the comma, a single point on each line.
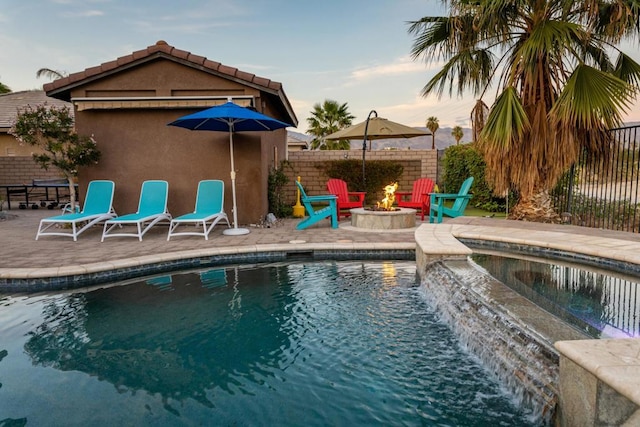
[327, 118]
[557, 88]
[51, 74]
[457, 133]
[432, 125]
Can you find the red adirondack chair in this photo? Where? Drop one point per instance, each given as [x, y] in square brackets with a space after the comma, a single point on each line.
[419, 198]
[346, 199]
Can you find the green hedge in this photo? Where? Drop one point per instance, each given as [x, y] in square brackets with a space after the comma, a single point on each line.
[463, 161]
[378, 174]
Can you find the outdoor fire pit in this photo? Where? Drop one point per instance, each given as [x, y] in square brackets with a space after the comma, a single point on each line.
[384, 216]
[383, 220]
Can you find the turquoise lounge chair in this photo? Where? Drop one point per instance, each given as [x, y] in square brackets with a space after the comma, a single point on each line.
[318, 214]
[209, 209]
[461, 199]
[152, 208]
[97, 208]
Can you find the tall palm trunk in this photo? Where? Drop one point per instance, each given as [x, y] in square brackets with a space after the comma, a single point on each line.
[537, 207]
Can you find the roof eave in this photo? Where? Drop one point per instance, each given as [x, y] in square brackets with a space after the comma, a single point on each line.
[58, 89]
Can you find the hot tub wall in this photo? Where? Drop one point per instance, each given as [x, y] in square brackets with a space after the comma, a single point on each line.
[525, 366]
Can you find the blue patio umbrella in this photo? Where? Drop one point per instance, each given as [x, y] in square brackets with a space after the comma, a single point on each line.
[230, 117]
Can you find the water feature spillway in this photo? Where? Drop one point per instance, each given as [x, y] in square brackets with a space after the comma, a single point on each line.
[494, 324]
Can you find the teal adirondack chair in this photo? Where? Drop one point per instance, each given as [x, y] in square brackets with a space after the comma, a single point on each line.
[461, 199]
[317, 214]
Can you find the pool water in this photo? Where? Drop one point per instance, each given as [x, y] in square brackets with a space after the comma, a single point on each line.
[300, 344]
[600, 303]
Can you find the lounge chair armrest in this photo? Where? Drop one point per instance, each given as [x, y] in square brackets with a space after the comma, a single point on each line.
[357, 194]
[444, 196]
[321, 198]
[425, 197]
[402, 194]
[449, 196]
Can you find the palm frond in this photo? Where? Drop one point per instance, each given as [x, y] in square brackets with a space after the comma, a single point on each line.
[468, 70]
[50, 74]
[507, 121]
[628, 70]
[592, 98]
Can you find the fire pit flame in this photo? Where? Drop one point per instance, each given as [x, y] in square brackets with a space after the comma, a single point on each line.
[386, 204]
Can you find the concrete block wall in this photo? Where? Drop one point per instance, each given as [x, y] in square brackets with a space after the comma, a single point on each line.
[22, 170]
[306, 164]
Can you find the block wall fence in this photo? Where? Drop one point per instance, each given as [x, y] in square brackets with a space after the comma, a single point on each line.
[22, 170]
[305, 164]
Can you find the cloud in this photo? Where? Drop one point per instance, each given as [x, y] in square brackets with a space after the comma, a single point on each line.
[401, 66]
[83, 14]
[451, 112]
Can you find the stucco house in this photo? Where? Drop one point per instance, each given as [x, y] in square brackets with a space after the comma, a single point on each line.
[16, 161]
[10, 104]
[127, 103]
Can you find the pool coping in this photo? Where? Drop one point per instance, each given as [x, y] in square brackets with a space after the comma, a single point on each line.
[29, 280]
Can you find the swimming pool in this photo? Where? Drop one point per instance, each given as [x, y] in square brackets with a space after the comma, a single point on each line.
[314, 343]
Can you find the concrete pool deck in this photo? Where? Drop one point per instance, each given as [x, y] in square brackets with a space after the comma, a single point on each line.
[21, 256]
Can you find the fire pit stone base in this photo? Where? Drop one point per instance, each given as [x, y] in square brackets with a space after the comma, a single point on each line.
[383, 220]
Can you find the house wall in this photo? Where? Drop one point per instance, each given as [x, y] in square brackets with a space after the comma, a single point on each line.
[10, 146]
[137, 144]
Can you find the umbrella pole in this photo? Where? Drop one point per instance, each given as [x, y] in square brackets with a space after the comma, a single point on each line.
[364, 147]
[235, 231]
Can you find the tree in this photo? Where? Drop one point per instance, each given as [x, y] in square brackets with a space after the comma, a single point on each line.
[51, 129]
[4, 88]
[457, 133]
[558, 90]
[326, 119]
[432, 125]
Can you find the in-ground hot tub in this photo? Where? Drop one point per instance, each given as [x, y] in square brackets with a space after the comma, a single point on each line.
[383, 220]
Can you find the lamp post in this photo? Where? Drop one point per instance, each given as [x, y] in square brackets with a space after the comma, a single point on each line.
[364, 145]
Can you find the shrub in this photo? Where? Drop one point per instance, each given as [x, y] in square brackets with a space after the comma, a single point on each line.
[378, 174]
[276, 183]
[463, 161]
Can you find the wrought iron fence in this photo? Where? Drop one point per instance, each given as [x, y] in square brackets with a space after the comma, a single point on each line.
[604, 194]
[610, 304]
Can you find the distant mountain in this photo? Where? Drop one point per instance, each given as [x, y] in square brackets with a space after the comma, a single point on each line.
[443, 140]
[299, 136]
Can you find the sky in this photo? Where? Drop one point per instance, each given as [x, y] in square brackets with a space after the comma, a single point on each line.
[351, 51]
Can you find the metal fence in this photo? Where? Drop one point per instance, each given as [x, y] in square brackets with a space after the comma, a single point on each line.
[604, 194]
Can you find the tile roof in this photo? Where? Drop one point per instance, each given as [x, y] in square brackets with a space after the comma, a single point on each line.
[61, 88]
[12, 101]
